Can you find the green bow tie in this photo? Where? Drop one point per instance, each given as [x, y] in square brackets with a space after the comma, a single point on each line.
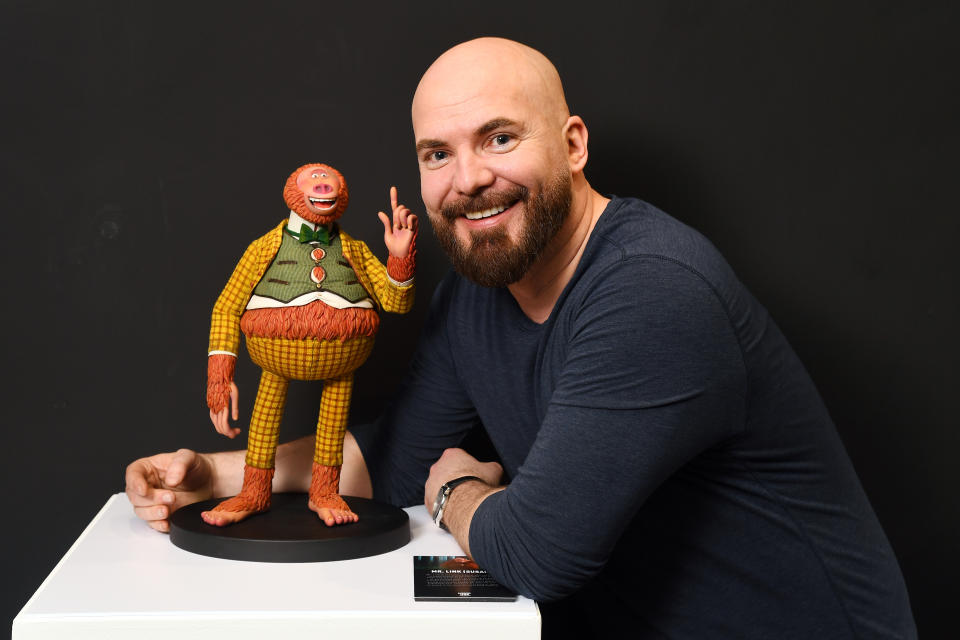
[309, 235]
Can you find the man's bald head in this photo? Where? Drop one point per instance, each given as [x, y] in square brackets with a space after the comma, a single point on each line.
[488, 66]
[501, 158]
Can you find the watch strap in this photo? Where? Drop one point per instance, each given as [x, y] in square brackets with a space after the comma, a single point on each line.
[443, 496]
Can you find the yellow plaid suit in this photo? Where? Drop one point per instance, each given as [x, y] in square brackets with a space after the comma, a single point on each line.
[282, 359]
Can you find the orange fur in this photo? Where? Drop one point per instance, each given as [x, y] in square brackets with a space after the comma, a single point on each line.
[402, 269]
[294, 197]
[315, 320]
[220, 369]
[255, 494]
[325, 487]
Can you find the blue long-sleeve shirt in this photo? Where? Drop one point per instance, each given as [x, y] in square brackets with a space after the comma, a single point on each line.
[673, 466]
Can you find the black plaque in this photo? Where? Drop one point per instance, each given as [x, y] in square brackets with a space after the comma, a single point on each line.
[291, 532]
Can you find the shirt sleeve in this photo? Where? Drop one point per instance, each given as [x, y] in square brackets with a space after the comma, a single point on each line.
[653, 376]
[429, 413]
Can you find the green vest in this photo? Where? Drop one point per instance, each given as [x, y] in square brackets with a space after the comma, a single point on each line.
[289, 275]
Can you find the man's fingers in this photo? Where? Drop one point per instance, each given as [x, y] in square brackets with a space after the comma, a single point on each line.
[136, 479]
[138, 500]
[393, 198]
[495, 473]
[183, 459]
[152, 512]
[162, 526]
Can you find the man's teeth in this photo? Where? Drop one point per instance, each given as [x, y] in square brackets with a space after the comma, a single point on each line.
[477, 215]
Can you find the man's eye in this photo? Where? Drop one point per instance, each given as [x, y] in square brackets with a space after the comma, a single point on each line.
[437, 156]
[502, 142]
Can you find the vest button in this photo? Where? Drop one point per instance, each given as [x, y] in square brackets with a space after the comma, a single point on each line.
[317, 274]
[317, 254]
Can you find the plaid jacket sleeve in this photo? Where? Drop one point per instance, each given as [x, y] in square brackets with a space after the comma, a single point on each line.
[391, 297]
[225, 320]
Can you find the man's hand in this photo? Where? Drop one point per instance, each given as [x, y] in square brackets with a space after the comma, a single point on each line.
[455, 463]
[159, 485]
[399, 235]
[458, 513]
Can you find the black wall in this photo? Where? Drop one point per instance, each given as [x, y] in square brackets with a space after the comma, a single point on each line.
[814, 143]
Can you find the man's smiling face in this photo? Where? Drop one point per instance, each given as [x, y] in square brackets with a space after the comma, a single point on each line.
[493, 171]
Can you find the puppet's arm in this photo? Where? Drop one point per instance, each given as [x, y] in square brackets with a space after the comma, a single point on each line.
[225, 340]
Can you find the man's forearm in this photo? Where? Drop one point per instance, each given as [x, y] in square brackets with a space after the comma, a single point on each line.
[463, 503]
[354, 476]
[293, 463]
[227, 469]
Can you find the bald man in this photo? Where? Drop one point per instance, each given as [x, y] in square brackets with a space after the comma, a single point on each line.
[673, 471]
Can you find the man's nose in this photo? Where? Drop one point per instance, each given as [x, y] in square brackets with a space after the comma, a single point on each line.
[323, 187]
[471, 175]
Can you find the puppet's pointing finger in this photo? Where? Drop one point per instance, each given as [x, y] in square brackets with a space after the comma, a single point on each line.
[385, 220]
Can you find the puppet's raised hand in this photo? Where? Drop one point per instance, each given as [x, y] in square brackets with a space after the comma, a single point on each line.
[222, 393]
[400, 233]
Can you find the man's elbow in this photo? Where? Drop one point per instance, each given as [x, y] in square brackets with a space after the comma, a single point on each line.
[544, 576]
[553, 586]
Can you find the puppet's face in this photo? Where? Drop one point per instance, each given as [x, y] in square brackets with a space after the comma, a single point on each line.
[316, 192]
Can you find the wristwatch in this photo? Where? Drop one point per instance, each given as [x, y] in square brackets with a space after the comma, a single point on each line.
[440, 502]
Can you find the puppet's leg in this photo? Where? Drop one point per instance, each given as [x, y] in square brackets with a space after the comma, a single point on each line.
[254, 496]
[328, 453]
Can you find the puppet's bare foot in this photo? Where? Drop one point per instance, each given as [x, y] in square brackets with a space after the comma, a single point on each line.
[325, 499]
[254, 497]
[333, 515]
[225, 518]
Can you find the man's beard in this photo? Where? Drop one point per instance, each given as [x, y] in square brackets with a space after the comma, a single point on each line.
[492, 259]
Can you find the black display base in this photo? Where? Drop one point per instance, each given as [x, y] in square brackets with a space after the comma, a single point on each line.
[291, 532]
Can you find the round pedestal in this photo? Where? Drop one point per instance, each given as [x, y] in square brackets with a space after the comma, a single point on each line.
[291, 532]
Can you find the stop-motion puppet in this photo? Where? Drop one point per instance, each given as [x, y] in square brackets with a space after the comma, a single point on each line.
[306, 296]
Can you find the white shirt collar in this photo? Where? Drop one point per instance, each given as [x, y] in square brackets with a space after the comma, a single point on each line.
[296, 221]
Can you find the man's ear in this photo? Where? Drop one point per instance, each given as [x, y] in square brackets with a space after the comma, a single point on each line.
[575, 136]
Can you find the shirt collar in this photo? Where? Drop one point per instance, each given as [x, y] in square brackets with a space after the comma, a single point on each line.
[296, 220]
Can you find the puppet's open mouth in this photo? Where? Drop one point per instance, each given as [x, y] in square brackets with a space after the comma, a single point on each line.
[323, 204]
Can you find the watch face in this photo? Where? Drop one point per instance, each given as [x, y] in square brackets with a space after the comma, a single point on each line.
[438, 504]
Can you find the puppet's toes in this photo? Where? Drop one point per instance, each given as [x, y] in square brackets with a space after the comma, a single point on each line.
[325, 499]
[254, 497]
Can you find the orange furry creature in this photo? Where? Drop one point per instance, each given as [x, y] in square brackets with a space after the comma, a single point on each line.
[306, 296]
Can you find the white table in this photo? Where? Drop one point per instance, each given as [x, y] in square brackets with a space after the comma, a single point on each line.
[121, 579]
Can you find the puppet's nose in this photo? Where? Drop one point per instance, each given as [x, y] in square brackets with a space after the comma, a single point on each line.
[323, 188]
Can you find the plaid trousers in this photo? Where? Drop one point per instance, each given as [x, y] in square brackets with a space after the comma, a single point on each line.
[282, 360]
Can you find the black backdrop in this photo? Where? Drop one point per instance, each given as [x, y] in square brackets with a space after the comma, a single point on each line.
[814, 143]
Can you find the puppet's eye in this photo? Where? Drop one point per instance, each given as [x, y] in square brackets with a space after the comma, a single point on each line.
[315, 175]
[323, 175]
